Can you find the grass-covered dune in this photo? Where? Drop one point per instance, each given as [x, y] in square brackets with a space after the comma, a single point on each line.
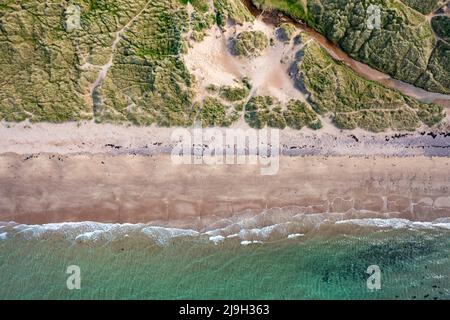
[404, 46]
[122, 63]
[125, 63]
[48, 73]
[356, 102]
[441, 25]
[250, 44]
[148, 81]
[423, 6]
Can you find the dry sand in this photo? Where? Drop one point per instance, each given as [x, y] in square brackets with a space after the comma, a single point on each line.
[90, 138]
[112, 173]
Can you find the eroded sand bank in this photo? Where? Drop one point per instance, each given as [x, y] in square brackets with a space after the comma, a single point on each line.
[126, 188]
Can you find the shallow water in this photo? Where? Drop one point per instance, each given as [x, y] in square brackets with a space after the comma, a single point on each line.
[328, 261]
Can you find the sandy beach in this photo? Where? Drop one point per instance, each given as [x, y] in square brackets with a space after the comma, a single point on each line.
[151, 189]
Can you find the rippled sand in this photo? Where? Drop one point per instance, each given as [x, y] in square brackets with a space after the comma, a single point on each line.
[151, 189]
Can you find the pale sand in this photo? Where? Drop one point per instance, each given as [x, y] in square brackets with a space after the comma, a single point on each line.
[150, 189]
[91, 138]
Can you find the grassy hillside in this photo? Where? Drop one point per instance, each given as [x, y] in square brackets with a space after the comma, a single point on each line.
[441, 25]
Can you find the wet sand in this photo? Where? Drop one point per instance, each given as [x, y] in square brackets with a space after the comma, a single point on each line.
[49, 188]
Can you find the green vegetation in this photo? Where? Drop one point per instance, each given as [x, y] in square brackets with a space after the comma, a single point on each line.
[295, 8]
[233, 94]
[225, 104]
[148, 81]
[286, 31]
[247, 82]
[231, 9]
[439, 70]
[356, 102]
[214, 113]
[298, 114]
[402, 47]
[250, 44]
[422, 6]
[49, 74]
[212, 88]
[430, 114]
[200, 23]
[262, 111]
[441, 25]
[199, 5]
[39, 78]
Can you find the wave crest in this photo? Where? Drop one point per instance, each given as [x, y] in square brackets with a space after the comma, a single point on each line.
[254, 229]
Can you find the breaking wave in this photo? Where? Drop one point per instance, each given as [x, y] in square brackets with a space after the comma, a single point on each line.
[395, 223]
[254, 229]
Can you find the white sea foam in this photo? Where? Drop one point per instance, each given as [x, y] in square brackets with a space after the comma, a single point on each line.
[217, 239]
[295, 235]
[82, 231]
[94, 231]
[164, 235]
[94, 236]
[3, 235]
[246, 242]
[397, 223]
[245, 231]
[260, 233]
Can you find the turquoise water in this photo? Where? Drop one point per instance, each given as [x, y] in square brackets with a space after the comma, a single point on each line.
[328, 262]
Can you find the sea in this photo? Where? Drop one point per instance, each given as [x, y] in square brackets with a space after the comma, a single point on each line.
[301, 257]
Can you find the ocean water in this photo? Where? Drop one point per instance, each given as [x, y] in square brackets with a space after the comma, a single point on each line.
[296, 259]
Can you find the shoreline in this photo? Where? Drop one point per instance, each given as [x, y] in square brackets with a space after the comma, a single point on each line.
[150, 189]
